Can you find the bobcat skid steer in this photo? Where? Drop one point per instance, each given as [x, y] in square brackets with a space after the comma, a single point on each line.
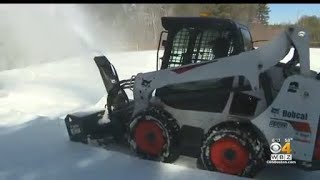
[215, 98]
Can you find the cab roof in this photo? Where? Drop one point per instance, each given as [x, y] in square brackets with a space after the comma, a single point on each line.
[205, 22]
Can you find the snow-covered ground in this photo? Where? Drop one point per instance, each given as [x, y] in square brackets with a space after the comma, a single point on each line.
[33, 138]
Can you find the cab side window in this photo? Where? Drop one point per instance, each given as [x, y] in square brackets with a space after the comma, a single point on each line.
[247, 41]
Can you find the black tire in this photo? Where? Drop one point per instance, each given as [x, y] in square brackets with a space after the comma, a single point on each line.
[248, 152]
[169, 151]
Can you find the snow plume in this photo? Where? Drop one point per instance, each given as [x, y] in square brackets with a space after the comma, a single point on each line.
[98, 26]
[33, 34]
[37, 33]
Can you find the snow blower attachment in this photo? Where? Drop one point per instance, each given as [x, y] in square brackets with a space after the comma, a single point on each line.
[233, 107]
[82, 125]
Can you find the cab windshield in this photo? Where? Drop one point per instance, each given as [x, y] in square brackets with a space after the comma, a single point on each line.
[192, 45]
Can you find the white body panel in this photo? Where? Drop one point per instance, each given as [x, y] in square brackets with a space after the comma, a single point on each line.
[206, 120]
[305, 101]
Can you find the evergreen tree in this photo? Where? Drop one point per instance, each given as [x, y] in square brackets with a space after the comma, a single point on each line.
[263, 13]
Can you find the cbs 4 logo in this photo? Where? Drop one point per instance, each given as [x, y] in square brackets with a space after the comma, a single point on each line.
[276, 147]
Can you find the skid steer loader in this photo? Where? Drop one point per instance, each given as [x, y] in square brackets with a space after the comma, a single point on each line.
[215, 98]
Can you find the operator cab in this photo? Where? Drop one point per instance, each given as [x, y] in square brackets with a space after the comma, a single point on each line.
[199, 39]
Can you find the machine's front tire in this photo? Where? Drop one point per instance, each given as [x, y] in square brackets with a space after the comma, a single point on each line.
[233, 150]
[153, 135]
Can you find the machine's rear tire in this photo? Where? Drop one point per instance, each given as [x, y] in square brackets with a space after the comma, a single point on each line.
[153, 135]
[233, 150]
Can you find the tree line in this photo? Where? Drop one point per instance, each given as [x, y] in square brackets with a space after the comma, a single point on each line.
[139, 25]
[311, 24]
